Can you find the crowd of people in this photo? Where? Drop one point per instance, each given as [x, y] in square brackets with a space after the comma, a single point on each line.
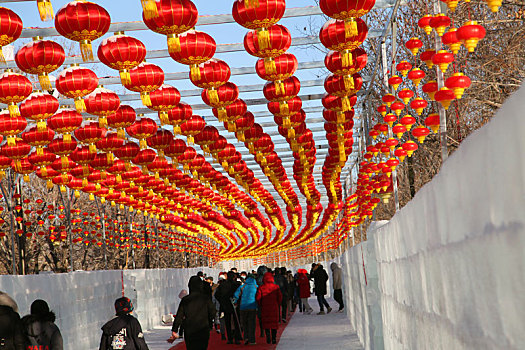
[232, 306]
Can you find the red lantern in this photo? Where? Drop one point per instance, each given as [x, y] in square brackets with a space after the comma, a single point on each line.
[142, 129]
[426, 57]
[160, 141]
[164, 99]
[38, 138]
[42, 160]
[226, 94]
[347, 11]
[109, 144]
[404, 67]
[178, 115]
[89, 134]
[395, 81]
[399, 130]
[231, 113]
[430, 89]
[334, 62]
[11, 126]
[40, 57]
[195, 48]
[174, 17]
[443, 58]
[416, 75]
[16, 151]
[333, 36]
[444, 96]
[414, 45]
[410, 146]
[65, 121]
[420, 132]
[282, 92]
[24, 168]
[279, 41]
[470, 33]
[123, 117]
[458, 83]
[10, 27]
[432, 121]
[14, 88]
[285, 66]
[405, 95]
[102, 102]
[390, 119]
[76, 82]
[192, 127]
[122, 52]
[38, 107]
[128, 152]
[212, 74]
[62, 148]
[408, 121]
[83, 21]
[424, 23]
[418, 105]
[450, 39]
[440, 22]
[145, 78]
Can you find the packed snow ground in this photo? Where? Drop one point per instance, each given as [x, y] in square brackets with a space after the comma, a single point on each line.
[304, 332]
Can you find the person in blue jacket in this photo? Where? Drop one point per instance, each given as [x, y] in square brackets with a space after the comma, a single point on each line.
[245, 296]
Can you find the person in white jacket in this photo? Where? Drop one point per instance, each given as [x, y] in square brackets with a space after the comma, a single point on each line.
[337, 275]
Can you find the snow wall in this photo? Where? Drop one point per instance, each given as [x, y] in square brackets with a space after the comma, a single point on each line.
[83, 301]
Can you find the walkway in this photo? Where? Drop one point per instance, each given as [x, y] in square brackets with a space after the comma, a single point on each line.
[304, 332]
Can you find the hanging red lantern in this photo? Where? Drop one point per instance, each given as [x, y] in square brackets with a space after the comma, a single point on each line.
[414, 44]
[65, 121]
[142, 129]
[470, 34]
[416, 75]
[40, 57]
[432, 121]
[128, 152]
[109, 144]
[395, 81]
[420, 132]
[410, 146]
[347, 11]
[388, 99]
[212, 74]
[440, 22]
[226, 94]
[195, 48]
[334, 62]
[174, 18]
[335, 103]
[288, 89]
[122, 52]
[38, 138]
[76, 82]
[231, 113]
[123, 117]
[192, 127]
[16, 152]
[145, 78]
[399, 130]
[262, 15]
[333, 36]
[408, 121]
[14, 88]
[444, 96]
[443, 58]
[404, 67]
[450, 39]
[83, 21]
[178, 115]
[279, 41]
[426, 57]
[285, 66]
[38, 107]
[405, 95]
[390, 118]
[102, 102]
[11, 28]
[430, 88]
[285, 108]
[160, 141]
[24, 168]
[397, 107]
[424, 23]
[11, 126]
[42, 160]
[458, 82]
[164, 99]
[243, 124]
[62, 148]
[418, 105]
[89, 134]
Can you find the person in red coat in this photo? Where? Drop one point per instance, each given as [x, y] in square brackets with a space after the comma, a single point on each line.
[304, 289]
[269, 298]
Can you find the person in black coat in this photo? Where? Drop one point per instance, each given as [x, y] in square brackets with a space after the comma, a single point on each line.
[206, 287]
[11, 335]
[320, 278]
[282, 282]
[196, 313]
[123, 331]
[224, 295]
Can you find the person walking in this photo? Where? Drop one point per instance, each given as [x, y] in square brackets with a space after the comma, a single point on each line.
[224, 295]
[320, 278]
[40, 328]
[11, 335]
[245, 295]
[280, 280]
[303, 284]
[337, 276]
[196, 312]
[261, 270]
[123, 331]
[269, 298]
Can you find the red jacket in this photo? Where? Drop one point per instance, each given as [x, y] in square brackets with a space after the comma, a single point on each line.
[303, 283]
[269, 298]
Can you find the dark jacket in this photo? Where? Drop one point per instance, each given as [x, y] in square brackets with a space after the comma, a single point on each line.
[125, 332]
[196, 311]
[281, 281]
[225, 291]
[261, 270]
[11, 329]
[42, 332]
[320, 278]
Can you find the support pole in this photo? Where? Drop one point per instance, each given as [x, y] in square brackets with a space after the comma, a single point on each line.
[102, 214]
[69, 231]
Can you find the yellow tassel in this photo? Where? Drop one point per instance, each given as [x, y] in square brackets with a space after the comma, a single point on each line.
[125, 77]
[67, 138]
[150, 9]
[85, 172]
[49, 184]
[190, 140]
[263, 38]
[284, 109]
[102, 122]
[143, 144]
[13, 110]
[121, 133]
[251, 148]
[240, 136]
[44, 171]
[86, 50]
[345, 101]
[222, 114]
[269, 66]
[163, 116]
[173, 43]
[64, 161]
[26, 179]
[91, 197]
[341, 117]
[40, 151]
[213, 96]
[279, 87]
[45, 9]
[346, 56]
[195, 72]
[41, 125]
[349, 82]
[80, 105]
[102, 200]
[109, 157]
[146, 100]
[350, 27]
[287, 124]
[291, 133]
[11, 140]
[43, 79]
[251, 3]
[176, 129]
[92, 148]
[2, 58]
[77, 194]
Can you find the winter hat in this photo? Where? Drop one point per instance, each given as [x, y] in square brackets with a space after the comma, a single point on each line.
[222, 276]
[123, 306]
[39, 307]
[183, 293]
[6, 300]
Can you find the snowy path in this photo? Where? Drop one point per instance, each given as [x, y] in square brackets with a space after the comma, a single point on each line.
[331, 331]
[304, 332]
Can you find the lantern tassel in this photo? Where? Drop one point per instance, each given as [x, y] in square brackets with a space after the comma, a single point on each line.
[143, 144]
[64, 161]
[150, 9]
[263, 38]
[49, 184]
[222, 114]
[195, 72]
[347, 58]
[43, 79]
[190, 139]
[125, 77]
[45, 10]
[349, 82]
[145, 97]
[11, 140]
[173, 43]
[163, 116]
[269, 66]
[13, 110]
[251, 3]
[67, 138]
[291, 133]
[80, 105]
[284, 108]
[279, 87]
[92, 148]
[240, 136]
[2, 57]
[350, 28]
[86, 50]
[213, 96]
